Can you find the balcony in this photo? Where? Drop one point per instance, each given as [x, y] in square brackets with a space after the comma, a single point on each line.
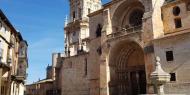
[84, 19]
[19, 77]
[125, 32]
[75, 22]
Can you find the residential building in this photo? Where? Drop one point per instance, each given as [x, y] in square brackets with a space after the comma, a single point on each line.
[122, 38]
[11, 61]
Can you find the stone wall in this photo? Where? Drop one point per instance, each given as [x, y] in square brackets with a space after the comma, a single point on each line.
[180, 46]
[74, 75]
[76, 82]
[169, 17]
[94, 66]
[39, 88]
[95, 53]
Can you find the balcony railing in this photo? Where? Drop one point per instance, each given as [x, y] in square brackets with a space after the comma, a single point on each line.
[20, 76]
[69, 21]
[125, 31]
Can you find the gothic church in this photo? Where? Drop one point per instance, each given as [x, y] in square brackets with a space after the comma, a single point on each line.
[110, 49]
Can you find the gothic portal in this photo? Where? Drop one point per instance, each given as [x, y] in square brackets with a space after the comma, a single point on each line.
[127, 70]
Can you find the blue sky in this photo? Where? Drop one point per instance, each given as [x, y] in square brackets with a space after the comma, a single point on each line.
[41, 24]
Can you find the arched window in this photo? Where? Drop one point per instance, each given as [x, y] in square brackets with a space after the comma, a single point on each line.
[135, 18]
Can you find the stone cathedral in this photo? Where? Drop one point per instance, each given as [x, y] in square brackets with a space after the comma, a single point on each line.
[110, 49]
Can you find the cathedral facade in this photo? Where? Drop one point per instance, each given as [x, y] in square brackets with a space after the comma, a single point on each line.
[110, 49]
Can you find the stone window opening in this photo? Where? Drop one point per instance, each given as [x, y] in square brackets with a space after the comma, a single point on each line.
[98, 30]
[69, 52]
[169, 56]
[74, 16]
[178, 23]
[99, 50]
[172, 77]
[82, 49]
[176, 11]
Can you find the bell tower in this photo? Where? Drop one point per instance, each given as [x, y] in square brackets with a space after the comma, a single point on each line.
[79, 9]
[77, 26]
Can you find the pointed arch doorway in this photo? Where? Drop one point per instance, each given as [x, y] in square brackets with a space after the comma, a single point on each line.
[127, 69]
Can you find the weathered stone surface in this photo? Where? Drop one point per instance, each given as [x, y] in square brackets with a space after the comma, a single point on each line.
[156, 36]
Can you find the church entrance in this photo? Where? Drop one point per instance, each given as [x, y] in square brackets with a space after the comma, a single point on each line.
[127, 70]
